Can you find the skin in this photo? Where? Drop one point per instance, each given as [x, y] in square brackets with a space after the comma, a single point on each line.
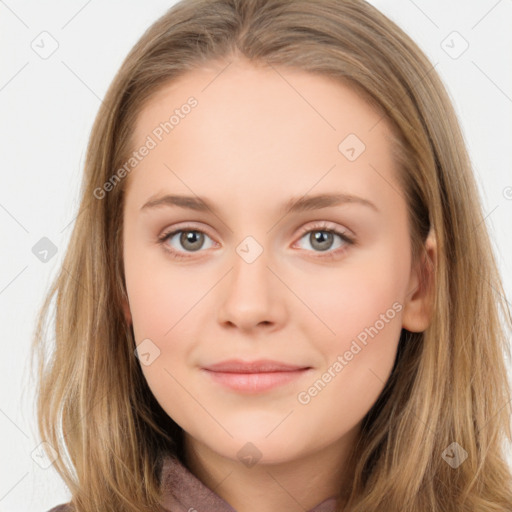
[253, 143]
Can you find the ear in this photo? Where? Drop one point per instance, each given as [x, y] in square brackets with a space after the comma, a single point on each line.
[418, 306]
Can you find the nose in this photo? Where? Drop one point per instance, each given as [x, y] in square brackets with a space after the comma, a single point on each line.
[252, 296]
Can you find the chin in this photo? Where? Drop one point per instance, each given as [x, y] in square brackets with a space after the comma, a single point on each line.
[260, 447]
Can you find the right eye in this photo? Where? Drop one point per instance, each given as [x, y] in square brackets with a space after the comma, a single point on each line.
[191, 240]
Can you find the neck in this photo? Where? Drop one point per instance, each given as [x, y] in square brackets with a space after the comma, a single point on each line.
[296, 485]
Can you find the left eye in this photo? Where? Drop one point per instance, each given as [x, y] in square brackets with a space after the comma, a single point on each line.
[322, 240]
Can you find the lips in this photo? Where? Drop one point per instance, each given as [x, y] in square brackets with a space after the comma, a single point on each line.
[259, 366]
[254, 376]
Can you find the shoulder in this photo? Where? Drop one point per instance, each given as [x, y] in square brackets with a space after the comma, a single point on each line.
[66, 507]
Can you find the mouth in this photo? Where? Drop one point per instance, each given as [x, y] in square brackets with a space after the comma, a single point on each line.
[254, 376]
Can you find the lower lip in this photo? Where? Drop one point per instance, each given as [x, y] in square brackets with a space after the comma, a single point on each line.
[255, 382]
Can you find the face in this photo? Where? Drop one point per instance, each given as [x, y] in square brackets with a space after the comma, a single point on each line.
[293, 246]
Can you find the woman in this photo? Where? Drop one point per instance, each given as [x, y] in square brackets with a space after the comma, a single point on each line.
[250, 370]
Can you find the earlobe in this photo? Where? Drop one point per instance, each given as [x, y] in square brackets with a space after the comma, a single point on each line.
[418, 306]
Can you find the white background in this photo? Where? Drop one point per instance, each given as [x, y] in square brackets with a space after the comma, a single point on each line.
[47, 107]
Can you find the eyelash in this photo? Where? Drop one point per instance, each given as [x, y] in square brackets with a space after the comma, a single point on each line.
[320, 226]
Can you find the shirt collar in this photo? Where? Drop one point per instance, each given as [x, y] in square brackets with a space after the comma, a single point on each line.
[182, 491]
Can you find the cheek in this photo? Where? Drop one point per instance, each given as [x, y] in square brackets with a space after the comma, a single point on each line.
[164, 303]
[160, 295]
[162, 308]
[358, 359]
[355, 297]
[361, 307]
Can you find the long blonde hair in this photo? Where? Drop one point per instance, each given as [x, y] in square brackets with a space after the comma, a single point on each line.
[449, 383]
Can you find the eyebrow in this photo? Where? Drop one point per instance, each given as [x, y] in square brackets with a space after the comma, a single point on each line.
[294, 205]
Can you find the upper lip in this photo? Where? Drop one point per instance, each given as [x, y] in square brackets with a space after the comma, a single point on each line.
[261, 365]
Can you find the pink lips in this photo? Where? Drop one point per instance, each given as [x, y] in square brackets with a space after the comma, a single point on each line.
[254, 376]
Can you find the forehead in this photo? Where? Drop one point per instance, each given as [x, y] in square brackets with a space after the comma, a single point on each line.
[260, 125]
